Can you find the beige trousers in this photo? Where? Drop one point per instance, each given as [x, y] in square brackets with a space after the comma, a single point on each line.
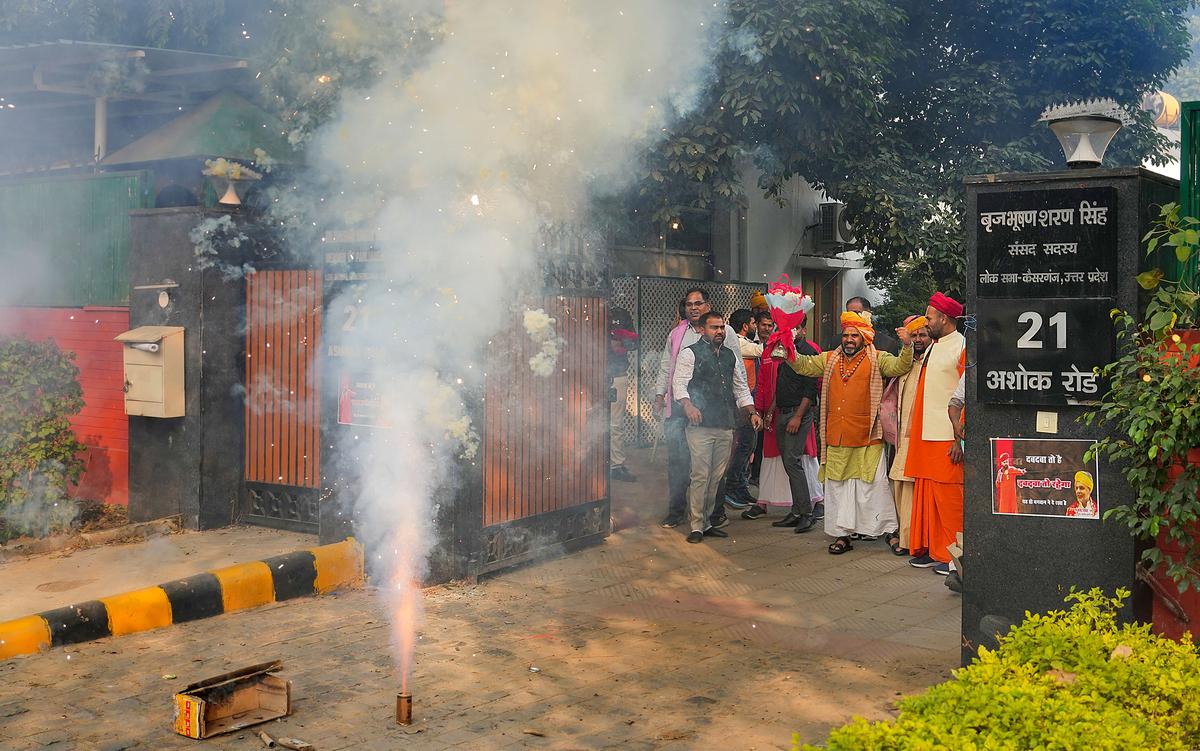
[616, 414]
[710, 449]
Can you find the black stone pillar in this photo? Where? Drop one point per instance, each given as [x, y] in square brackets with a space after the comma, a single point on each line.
[190, 465]
[1049, 256]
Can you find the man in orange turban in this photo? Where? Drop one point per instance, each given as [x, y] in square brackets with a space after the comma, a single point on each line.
[858, 499]
[935, 456]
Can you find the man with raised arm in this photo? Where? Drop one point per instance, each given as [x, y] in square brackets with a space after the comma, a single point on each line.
[858, 499]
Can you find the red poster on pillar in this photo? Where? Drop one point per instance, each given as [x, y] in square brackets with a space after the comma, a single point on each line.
[1045, 477]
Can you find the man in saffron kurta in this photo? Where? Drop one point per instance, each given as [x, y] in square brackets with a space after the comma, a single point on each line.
[934, 455]
[857, 497]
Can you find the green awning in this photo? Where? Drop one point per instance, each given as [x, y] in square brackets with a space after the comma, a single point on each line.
[227, 125]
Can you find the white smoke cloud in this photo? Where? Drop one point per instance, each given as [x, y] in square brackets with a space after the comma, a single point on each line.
[523, 111]
[540, 327]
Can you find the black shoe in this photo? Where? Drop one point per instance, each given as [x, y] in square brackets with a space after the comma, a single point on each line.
[922, 561]
[788, 521]
[954, 582]
[754, 512]
[619, 472]
[670, 520]
[715, 532]
[819, 511]
[694, 537]
[720, 521]
[804, 524]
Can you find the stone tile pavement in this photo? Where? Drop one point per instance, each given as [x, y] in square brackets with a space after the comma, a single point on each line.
[644, 642]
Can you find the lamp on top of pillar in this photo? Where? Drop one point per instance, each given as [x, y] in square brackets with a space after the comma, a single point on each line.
[1085, 129]
[225, 175]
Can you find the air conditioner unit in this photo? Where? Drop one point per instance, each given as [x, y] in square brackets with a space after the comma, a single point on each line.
[832, 229]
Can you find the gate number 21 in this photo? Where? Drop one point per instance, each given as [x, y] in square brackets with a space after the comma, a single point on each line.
[1030, 339]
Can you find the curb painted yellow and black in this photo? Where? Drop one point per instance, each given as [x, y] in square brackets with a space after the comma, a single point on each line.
[245, 585]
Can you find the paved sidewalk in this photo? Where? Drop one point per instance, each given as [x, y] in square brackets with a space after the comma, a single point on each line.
[51, 580]
[644, 642]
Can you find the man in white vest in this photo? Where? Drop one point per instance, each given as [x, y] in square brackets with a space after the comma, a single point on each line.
[935, 457]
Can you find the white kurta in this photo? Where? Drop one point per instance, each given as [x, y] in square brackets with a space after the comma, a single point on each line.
[855, 506]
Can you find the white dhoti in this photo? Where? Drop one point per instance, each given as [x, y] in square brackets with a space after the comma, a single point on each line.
[774, 488]
[858, 507]
[812, 472]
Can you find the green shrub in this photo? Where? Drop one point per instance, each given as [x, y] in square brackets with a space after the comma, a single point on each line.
[39, 453]
[1064, 680]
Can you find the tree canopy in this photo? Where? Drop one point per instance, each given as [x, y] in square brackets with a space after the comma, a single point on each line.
[1185, 84]
[885, 104]
[215, 26]
[889, 104]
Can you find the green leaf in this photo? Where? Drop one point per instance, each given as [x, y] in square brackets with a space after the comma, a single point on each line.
[1162, 320]
[1149, 279]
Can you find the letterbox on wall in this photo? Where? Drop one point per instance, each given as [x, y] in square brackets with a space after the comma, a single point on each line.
[153, 357]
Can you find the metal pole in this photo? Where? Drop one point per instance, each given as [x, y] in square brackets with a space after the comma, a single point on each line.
[637, 388]
[100, 141]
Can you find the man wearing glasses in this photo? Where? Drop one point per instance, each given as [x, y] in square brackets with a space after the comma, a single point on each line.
[688, 332]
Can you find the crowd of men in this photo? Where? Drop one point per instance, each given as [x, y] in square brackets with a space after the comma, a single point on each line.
[864, 437]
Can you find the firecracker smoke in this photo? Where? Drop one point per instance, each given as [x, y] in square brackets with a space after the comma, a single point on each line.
[520, 113]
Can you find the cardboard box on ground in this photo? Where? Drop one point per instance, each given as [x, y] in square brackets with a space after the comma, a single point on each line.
[233, 701]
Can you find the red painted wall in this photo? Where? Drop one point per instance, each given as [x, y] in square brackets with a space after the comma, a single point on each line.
[101, 424]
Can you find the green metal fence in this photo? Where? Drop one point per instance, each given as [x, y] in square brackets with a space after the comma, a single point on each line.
[66, 239]
[1189, 187]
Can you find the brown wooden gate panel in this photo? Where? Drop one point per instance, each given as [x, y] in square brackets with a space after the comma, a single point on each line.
[283, 450]
[546, 438]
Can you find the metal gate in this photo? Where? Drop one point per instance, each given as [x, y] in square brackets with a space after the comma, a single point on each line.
[545, 448]
[283, 448]
[653, 301]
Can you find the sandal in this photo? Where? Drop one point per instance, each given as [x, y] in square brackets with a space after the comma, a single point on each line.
[893, 541]
[840, 545]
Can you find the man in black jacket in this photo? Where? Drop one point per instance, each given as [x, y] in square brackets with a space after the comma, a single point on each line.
[796, 399]
[710, 389]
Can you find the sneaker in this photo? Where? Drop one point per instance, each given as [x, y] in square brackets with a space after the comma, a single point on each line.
[923, 561]
[715, 532]
[670, 521]
[735, 504]
[754, 512]
[619, 472]
[819, 511]
[942, 569]
[723, 521]
[694, 537]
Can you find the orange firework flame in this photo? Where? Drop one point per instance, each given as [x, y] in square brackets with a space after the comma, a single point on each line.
[404, 602]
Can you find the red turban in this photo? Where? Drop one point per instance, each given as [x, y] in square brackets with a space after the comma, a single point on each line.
[945, 304]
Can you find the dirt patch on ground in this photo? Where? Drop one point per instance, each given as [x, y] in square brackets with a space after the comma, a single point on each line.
[94, 516]
[90, 516]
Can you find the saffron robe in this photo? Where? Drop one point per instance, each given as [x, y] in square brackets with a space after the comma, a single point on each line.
[937, 514]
